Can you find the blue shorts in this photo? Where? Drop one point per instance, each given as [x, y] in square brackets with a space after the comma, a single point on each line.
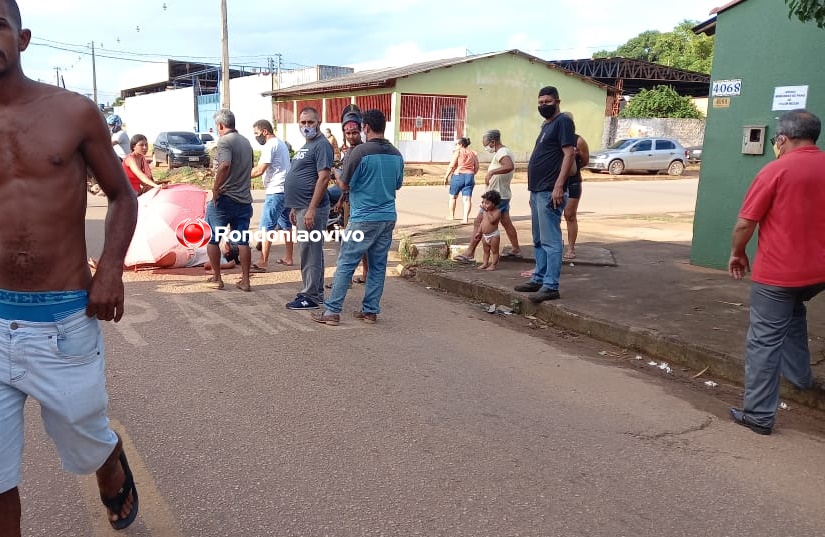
[275, 213]
[464, 183]
[229, 213]
[60, 364]
[503, 205]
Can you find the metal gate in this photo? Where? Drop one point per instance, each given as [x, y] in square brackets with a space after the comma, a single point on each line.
[207, 106]
[429, 126]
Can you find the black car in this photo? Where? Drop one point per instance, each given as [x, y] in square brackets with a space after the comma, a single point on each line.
[180, 148]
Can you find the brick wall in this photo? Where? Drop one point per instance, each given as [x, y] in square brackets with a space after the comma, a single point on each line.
[688, 132]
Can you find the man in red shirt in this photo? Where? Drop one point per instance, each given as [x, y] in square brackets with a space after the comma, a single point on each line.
[786, 200]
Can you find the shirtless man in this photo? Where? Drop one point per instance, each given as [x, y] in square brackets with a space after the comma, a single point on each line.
[50, 305]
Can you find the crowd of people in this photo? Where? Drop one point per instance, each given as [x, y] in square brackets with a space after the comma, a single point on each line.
[43, 310]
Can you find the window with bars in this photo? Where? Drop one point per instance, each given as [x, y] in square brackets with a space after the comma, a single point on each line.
[335, 107]
[381, 102]
[317, 104]
[284, 112]
[432, 114]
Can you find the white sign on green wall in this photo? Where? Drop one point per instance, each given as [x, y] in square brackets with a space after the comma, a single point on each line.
[789, 97]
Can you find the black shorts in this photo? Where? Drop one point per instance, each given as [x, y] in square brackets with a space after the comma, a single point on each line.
[574, 190]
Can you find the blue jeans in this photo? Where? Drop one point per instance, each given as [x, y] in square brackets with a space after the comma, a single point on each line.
[228, 213]
[777, 342]
[547, 241]
[376, 246]
[275, 214]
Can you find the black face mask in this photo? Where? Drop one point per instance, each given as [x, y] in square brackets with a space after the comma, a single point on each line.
[261, 139]
[547, 110]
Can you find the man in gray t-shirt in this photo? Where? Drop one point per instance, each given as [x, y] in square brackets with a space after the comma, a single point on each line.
[306, 195]
[231, 204]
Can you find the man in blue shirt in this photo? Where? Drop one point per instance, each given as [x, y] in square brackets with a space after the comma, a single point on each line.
[374, 171]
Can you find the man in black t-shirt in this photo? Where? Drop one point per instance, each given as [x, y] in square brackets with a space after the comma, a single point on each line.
[550, 164]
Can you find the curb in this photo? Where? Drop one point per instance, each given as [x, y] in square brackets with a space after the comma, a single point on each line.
[675, 351]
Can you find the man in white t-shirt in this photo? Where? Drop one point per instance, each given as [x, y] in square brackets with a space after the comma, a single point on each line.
[273, 165]
[120, 140]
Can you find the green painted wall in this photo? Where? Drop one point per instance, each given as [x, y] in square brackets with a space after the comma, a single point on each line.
[757, 43]
[502, 93]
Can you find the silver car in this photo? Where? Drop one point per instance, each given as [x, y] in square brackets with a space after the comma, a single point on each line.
[650, 154]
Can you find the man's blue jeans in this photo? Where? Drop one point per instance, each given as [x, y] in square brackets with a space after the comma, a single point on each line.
[376, 246]
[547, 241]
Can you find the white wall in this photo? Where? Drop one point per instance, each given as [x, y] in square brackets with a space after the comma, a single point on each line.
[153, 113]
[247, 103]
[174, 110]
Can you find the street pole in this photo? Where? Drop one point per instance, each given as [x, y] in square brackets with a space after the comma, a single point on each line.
[57, 76]
[225, 58]
[94, 74]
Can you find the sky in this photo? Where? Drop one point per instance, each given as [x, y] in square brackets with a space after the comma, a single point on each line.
[132, 40]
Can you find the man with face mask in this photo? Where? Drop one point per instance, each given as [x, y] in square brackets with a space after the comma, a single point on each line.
[273, 165]
[306, 196]
[785, 201]
[550, 164]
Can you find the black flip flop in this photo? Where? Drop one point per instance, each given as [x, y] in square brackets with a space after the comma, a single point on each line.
[115, 504]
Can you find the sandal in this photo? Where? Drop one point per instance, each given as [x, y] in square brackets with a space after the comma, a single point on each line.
[511, 255]
[115, 504]
[463, 259]
[358, 279]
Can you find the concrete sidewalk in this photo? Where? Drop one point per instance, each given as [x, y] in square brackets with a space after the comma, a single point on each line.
[652, 300]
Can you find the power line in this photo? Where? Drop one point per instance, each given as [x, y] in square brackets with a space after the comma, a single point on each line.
[53, 44]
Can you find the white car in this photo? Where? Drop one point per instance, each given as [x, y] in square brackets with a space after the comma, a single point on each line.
[209, 139]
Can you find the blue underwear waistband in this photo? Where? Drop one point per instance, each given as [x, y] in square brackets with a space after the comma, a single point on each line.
[41, 306]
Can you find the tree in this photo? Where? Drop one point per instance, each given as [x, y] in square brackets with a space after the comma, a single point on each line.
[808, 11]
[680, 48]
[661, 101]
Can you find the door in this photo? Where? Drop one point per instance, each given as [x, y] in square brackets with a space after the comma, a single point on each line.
[640, 156]
[666, 152]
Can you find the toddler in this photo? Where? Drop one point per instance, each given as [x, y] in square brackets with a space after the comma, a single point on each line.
[488, 232]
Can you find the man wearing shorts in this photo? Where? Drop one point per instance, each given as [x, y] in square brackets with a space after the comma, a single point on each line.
[231, 204]
[50, 304]
[273, 165]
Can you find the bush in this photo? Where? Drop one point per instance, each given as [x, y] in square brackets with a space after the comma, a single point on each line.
[661, 101]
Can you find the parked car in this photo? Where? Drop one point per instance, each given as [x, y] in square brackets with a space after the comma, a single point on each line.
[650, 154]
[694, 154]
[179, 148]
[209, 139]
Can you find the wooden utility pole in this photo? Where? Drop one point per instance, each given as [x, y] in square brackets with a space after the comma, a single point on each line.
[94, 75]
[225, 58]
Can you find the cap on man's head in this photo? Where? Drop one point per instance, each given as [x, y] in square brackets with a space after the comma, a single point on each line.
[351, 117]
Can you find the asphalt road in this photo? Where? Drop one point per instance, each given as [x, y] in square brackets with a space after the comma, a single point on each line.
[244, 419]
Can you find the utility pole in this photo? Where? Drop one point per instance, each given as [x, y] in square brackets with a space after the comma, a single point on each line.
[94, 74]
[280, 62]
[57, 76]
[225, 58]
